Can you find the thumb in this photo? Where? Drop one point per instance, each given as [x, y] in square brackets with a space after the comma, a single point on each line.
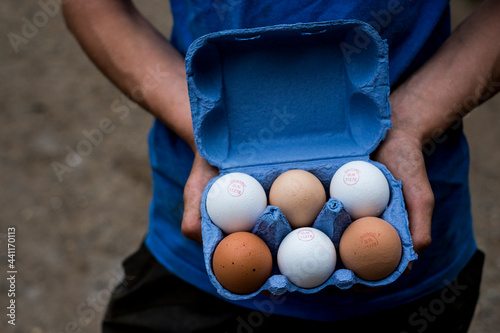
[403, 157]
[200, 175]
[191, 219]
[419, 201]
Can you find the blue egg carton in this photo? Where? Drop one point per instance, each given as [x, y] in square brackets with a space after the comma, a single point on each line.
[310, 96]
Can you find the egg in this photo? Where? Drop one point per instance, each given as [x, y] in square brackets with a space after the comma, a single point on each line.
[235, 202]
[242, 262]
[371, 248]
[299, 195]
[307, 257]
[362, 188]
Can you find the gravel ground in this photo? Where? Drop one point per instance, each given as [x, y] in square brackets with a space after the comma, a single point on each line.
[73, 229]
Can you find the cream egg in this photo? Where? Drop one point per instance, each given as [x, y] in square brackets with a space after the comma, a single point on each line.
[362, 188]
[235, 202]
[299, 195]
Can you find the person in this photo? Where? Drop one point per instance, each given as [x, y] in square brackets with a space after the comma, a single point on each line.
[436, 78]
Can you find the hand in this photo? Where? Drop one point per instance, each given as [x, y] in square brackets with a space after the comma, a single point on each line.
[401, 153]
[201, 173]
[431, 99]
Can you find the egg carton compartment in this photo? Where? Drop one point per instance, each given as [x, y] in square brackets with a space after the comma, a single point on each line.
[308, 96]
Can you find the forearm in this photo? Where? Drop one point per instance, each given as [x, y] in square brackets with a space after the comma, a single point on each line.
[135, 57]
[462, 74]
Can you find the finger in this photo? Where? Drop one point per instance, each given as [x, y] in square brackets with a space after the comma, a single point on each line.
[404, 158]
[419, 201]
[266, 292]
[408, 268]
[419, 204]
[191, 219]
[200, 175]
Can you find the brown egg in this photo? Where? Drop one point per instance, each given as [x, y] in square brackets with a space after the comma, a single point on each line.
[242, 262]
[371, 248]
[299, 195]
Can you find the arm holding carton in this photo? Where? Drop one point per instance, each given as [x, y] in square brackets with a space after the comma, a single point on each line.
[464, 72]
[135, 57]
[144, 65]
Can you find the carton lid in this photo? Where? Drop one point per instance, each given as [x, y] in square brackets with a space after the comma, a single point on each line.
[288, 93]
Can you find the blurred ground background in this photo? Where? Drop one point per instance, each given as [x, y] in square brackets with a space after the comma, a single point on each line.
[72, 234]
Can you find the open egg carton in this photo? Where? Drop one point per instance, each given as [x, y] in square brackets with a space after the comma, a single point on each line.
[309, 96]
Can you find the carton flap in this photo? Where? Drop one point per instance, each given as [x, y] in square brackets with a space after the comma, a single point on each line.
[288, 93]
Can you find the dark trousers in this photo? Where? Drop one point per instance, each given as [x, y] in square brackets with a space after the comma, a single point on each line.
[151, 299]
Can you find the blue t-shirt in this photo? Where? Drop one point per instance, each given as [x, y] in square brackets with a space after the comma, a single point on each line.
[414, 31]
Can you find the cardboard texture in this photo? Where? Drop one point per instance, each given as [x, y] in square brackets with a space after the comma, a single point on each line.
[303, 96]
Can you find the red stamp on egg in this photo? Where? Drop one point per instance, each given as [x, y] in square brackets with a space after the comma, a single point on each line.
[351, 176]
[305, 235]
[236, 188]
[369, 239]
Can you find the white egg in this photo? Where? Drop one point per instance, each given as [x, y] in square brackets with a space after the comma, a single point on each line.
[362, 188]
[235, 202]
[307, 257]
